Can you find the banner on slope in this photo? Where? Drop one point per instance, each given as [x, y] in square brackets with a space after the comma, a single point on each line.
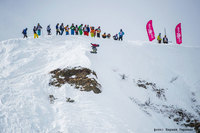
[178, 34]
[150, 31]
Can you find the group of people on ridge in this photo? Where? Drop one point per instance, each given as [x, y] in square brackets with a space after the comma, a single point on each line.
[165, 39]
[75, 30]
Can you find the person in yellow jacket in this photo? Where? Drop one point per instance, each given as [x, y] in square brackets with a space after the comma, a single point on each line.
[92, 31]
[35, 32]
[67, 29]
[159, 38]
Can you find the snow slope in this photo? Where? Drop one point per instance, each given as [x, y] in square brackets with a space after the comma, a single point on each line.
[24, 85]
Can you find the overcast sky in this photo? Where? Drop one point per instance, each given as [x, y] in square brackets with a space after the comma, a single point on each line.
[111, 15]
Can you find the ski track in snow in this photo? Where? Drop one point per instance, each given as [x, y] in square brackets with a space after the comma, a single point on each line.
[25, 65]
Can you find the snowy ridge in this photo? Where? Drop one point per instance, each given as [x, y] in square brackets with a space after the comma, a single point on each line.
[24, 85]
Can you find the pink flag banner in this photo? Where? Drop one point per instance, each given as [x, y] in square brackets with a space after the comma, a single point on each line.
[178, 34]
[150, 31]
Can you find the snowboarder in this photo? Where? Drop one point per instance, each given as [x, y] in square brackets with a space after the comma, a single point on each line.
[98, 30]
[94, 48]
[35, 32]
[108, 36]
[88, 30]
[61, 29]
[104, 35]
[159, 38]
[165, 40]
[80, 28]
[72, 29]
[57, 29]
[92, 31]
[24, 32]
[76, 30]
[67, 30]
[85, 30]
[121, 34]
[115, 37]
[39, 27]
[49, 30]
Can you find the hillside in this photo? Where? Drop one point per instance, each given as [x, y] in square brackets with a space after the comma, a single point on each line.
[144, 86]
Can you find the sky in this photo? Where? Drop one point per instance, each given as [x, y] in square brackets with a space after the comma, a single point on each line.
[111, 15]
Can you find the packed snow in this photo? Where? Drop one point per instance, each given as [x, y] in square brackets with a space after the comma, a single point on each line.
[24, 85]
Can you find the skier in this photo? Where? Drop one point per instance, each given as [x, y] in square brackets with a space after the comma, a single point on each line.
[35, 32]
[159, 38]
[67, 29]
[121, 33]
[72, 29]
[104, 35]
[85, 30]
[115, 37]
[80, 29]
[108, 36]
[39, 27]
[24, 32]
[49, 30]
[61, 29]
[88, 30]
[98, 30]
[165, 39]
[57, 29]
[76, 30]
[92, 31]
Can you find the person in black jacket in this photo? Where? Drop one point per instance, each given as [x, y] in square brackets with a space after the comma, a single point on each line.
[35, 32]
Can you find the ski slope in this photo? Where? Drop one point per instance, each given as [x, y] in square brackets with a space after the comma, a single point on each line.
[24, 85]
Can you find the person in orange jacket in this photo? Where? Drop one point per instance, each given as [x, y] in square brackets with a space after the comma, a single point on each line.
[92, 31]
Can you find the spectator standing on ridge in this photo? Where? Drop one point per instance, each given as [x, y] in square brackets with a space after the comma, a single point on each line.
[57, 29]
[80, 28]
[76, 30]
[159, 38]
[39, 28]
[98, 30]
[35, 32]
[165, 40]
[24, 32]
[121, 34]
[85, 30]
[67, 30]
[49, 30]
[62, 28]
[88, 30]
[72, 29]
[92, 31]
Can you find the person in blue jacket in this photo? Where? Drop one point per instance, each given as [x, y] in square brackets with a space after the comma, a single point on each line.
[24, 32]
[121, 34]
[39, 28]
[72, 29]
